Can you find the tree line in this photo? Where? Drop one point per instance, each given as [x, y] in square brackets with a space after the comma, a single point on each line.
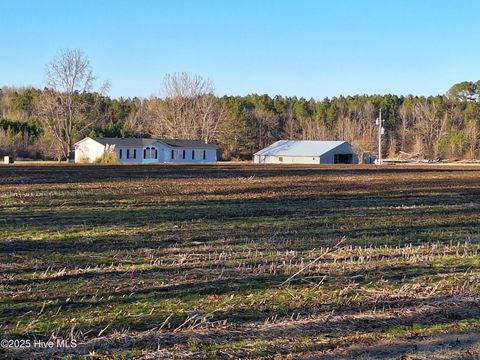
[45, 123]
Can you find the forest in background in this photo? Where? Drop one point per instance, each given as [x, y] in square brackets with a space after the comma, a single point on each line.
[438, 127]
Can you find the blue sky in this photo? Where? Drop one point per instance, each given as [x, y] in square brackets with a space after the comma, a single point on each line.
[304, 48]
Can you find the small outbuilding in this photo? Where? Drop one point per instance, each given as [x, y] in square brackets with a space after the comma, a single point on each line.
[307, 152]
[8, 160]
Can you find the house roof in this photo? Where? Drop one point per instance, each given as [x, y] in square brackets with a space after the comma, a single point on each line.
[188, 143]
[141, 142]
[127, 142]
[299, 148]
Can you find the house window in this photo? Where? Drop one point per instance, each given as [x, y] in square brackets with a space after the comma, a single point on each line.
[204, 154]
[173, 154]
[280, 159]
[193, 154]
[183, 154]
[150, 152]
[131, 154]
[120, 154]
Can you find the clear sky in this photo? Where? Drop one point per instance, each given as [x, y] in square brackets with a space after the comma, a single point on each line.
[305, 48]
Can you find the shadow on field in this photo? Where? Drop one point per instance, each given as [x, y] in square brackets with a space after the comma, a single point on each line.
[233, 221]
[91, 173]
[434, 311]
[130, 295]
[233, 282]
[154, 212]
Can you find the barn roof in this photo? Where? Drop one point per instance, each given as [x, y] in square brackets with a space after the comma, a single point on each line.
[299, 148]
[141, 142]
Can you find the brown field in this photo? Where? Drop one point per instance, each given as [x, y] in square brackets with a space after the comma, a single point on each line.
[241, 261]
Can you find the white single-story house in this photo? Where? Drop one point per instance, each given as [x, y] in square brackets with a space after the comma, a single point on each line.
[138, 150]
[306, 152]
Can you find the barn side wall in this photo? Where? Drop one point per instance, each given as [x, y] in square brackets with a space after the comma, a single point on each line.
[275, 159]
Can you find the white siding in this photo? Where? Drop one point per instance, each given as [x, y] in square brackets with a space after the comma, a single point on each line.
[94, 149]
[88, 148]
[137, 151]
[165, 155]
[210, 155]
[274, 159]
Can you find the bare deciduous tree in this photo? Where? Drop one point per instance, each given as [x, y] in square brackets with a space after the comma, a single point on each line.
[430, 125]
[473, 135]
[189, 108]
[60, 108]
[265, 126]
[290, 125]
[405, 116]
[146, 118]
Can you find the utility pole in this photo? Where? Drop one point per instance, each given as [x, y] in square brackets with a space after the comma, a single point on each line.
[381, 131]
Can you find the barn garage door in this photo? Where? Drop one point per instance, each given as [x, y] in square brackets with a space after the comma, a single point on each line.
[343, 159]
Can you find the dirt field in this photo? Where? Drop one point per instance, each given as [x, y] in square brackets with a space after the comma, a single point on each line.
[240, 261]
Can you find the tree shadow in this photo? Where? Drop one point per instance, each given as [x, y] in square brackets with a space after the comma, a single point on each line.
[55, 174]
